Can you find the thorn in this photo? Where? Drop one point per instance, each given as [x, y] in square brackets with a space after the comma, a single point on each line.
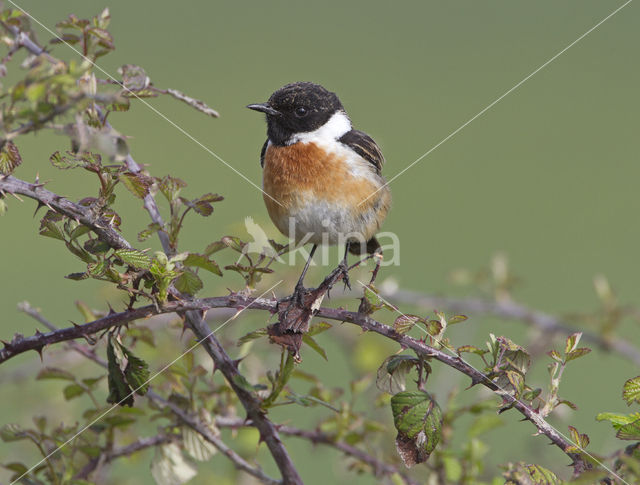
[38, 333]
[111, 310]
[16, 196]
[40, 205]
[237, 362]
[74, 323]
[39, 350]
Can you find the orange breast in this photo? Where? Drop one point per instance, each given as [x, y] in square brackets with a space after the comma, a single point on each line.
[303, 174]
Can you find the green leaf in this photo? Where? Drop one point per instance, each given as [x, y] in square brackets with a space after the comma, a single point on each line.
[471, 349]
[127, 374]
[214, 247]
[572, 342]
[631, 390]
[457, 319]
[577, 353]
[522, 473]
[119, 390]
[201, 261]
[307, 339]
[234, 243]
[170, 187]
[629, 431]
[137, 184]
[12, 432]
[55, 373]
[261, 332]
[134, 258]
[10, 158]
[196, 445]
[188, 282]
[50, 229]
[73, 390]
[96, 246]
[318, 328]
[418, 419]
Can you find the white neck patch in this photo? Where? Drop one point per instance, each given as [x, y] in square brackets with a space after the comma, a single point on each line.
[334, 128]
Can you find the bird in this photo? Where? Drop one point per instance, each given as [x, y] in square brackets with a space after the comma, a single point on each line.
[321, 178]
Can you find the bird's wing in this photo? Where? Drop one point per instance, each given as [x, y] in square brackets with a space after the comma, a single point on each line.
[364, 146]
[262, 152]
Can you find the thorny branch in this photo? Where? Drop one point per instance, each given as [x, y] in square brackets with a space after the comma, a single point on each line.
[514, 311]
[143, 443]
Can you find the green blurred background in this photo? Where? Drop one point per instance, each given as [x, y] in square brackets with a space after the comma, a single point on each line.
[548, 176]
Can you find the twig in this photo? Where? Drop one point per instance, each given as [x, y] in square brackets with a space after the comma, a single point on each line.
[193, 423]
[514, 311]
[226, 365]
[208, 435]
[139, 445]
[100, 225]
[380, 468]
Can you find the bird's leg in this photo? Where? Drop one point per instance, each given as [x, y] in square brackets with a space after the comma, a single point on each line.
[298, 292]
[344, 268]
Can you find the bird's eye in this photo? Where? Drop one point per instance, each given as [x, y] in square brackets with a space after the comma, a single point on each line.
[301, 112]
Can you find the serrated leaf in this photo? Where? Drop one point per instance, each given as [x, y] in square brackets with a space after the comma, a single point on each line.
[134, 258]
[261, 332]
[555, 355]
[577, 353]
[307, 339]
[214, 247]
[201, 261]
[97, 269]
[629, 431]
[434, 327]
[404, 323]
[631, 390]
[51, 229]
[188, 282]
[170, 187]
[10, 158]
[572, 342]
[170, 467]
[418, 419]
[55, 373]
[525, 474]
[137, 184]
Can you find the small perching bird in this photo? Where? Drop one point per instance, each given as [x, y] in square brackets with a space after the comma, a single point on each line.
[322, 179]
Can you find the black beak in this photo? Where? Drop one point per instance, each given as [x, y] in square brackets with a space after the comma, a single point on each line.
[264, 108]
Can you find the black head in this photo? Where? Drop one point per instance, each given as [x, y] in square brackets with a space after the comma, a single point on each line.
[297, 108]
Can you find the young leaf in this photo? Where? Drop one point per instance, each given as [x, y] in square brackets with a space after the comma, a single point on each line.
[404, 323]
[119, 391]
[188, 282]
[629, 431]
[418, 419]
[10, 158]
[150, 229]
[73, 390]
[134, 258]
[577, 353]
[201, 261]
[631, 391]
[136, 183]
[317, 328]
[457, 319]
